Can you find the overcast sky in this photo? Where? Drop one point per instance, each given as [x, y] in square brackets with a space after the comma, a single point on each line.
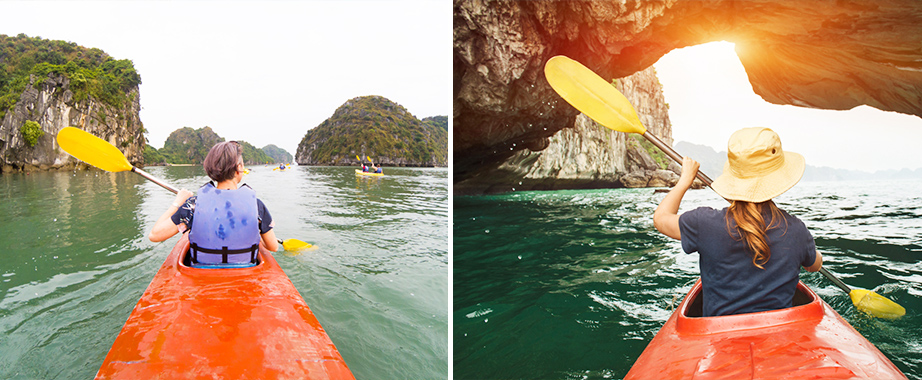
[710, 97]
[264, 72]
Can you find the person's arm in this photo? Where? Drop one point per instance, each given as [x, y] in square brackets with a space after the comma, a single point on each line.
[817, 264]
[270, 241]
[165, 228]
[265, 223]
[666, 218]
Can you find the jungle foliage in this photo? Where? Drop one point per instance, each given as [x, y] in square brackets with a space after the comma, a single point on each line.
[152, 156]
[379, 128]
[91, 71]
[31, 131]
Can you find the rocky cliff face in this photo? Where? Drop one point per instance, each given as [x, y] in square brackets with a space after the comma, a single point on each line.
[51, 105]
[587, 155]
[831, 54]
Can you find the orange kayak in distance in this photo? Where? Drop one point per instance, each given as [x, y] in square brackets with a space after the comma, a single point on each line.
[807, 341]
[240, 323]
[368, 173]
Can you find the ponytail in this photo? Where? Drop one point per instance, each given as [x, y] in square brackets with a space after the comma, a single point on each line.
[751, 227]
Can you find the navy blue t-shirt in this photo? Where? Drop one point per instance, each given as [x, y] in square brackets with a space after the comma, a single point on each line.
[731, 283]
[185, 213]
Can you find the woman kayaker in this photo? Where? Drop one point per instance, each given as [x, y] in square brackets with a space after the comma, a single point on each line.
[229, 222]
[752, 251]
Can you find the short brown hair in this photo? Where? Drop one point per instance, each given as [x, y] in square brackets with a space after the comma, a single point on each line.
[221, 161]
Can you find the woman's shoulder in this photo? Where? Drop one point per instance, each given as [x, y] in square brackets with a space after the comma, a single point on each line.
[706, 211]
[791, 219]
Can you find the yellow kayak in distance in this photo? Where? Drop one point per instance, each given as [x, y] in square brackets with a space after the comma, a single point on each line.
[359, 172]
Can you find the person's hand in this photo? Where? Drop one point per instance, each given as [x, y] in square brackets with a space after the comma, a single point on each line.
[689, 170]
[181, 197]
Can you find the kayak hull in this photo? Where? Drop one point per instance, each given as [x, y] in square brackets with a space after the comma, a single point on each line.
[807, 341]
[242, 323]
[359, 172]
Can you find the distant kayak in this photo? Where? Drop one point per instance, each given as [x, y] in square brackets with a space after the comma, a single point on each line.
[241, 323]
[368, 173]
[807, 341]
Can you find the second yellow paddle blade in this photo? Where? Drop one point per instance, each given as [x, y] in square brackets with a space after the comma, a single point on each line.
[876, 304]
[92, 150]
[592, 95]
[295, 244]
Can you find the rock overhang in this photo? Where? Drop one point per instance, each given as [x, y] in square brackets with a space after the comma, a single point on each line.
[828, 54]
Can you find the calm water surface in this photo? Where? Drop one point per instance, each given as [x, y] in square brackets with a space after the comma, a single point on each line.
[574, 284]
[76, 260]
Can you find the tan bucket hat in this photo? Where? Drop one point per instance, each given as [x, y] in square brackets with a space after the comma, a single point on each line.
[757, 169]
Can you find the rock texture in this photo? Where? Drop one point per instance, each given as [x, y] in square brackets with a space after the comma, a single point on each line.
[831, 54]
[586, 155]
[51, 105]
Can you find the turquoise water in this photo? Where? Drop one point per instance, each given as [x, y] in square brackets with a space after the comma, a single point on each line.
[574, 284]
[76, 259]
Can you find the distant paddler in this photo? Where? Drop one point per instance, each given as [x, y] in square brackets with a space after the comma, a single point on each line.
[375, 169]
[364, 167]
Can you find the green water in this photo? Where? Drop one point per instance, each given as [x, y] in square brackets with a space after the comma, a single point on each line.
[76, 260]
[574, 284]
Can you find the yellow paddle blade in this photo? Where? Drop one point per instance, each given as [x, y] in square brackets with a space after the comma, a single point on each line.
[92, 150]
[876, 304]
[592, 95]
[295, 244]
[357, 158]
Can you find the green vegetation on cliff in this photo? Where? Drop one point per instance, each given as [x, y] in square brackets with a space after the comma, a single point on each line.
[661, 159]
[253, 155]
[31, 131]
[376, 127]
[92, 72]
[190, 146]
[152, 156]
[277, 154]
[438, 121]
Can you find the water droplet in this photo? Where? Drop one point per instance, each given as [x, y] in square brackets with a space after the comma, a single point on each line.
[485, 231]
[520, 257]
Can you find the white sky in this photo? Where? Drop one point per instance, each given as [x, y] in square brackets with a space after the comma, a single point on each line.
[710, 97]
[264, 72]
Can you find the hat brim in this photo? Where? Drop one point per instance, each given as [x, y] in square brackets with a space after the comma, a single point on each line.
[763, 188]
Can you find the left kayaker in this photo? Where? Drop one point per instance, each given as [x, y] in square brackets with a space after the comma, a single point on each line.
[752, 251]
[221, 228]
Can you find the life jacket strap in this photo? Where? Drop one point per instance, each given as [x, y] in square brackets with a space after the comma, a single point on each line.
[253, 250]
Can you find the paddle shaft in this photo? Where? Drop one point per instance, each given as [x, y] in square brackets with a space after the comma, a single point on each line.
[675, 156]
[835, 280]
[155, 180]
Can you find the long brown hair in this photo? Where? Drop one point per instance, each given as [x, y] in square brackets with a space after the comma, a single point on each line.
[751, 227]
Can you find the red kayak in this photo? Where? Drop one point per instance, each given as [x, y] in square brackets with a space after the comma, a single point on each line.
[807, 341]
[242, 323]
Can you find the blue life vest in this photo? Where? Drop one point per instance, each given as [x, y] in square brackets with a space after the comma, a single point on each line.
[225, 226]
[379, 170]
